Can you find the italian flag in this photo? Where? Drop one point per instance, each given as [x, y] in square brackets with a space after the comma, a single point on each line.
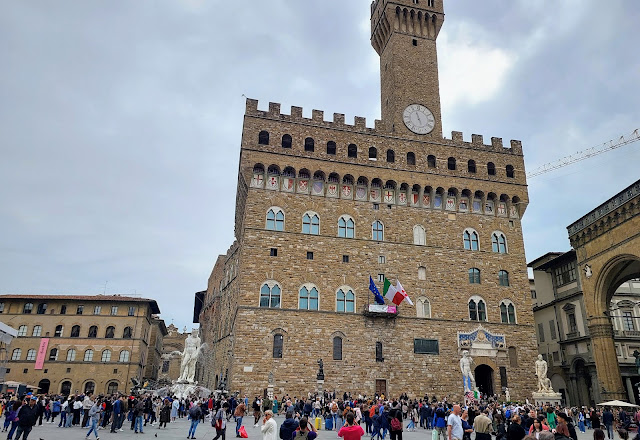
[395, 294]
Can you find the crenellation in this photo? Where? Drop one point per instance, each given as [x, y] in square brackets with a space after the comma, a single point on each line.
[516, 146]
[251, 106]
[477, 139]
[296, 112]
[496, 142]
[317, 115]
[456, 136]
[360, 122]
[338, 118]
[274, 109]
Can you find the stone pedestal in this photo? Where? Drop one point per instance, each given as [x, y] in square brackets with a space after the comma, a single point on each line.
[320, 387]
[270, 391]
[547, 397]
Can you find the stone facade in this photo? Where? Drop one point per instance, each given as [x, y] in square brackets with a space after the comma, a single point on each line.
[154, 359]
[607, 244]
[115, 358]
[411, 199]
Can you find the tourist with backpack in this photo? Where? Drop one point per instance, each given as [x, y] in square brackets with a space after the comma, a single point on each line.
[395, 423]
[303, 432]
[219, 421]
[194, 414]
[440, 422]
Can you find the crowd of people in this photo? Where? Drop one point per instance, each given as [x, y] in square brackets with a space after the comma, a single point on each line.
[350, 417]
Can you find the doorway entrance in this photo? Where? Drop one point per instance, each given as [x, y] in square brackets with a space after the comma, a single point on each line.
[381, 387]
[484, 379]
[44, 386]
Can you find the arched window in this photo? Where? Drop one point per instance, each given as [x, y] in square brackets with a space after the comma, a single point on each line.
[37, 330]
[477, 309]
[53, 354]
[451, 164]
[275, 219]
[106, 355]
[127, 332]
[263, 138]
[28, 307]
[278, 346]
[503, 277]
[510, 172]
[308, 299]
[89, 387]
[15, 354]
[22, 330]
[423, 308]
[431, 161]
[112, 388]
[471, 166]
[31, 354]
[88, 355]
[470, 239]
[491, 169]
[93, 332]
[507, 312]
[75, 331]
[346, 227]
[391, 156]
[58, 332]
[337, 348]
[286, 141]
[499, 243]
[42, 309]
[373, 153]
[331, 148]
[311, 223]
[110, 333]
[270, 295]
[422, 273]
[474, 276]
[419, 235]
[71, 355]
[309, 144]
[411, 158]
[377, 231]
[124, 356]
[352, 150]
[345, 300]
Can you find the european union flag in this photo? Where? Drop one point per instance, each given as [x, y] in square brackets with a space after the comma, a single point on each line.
[375, 291]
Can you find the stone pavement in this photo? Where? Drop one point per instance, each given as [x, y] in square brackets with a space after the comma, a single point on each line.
[179, 429]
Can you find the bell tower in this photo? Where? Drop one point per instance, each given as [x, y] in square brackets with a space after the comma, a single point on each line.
[404, 33]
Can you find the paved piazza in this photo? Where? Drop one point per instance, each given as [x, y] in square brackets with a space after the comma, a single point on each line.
[178, 430]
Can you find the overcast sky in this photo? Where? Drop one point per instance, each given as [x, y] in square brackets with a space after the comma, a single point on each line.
[120, 121]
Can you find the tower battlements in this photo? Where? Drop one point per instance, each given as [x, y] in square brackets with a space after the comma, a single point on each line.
[360, 126]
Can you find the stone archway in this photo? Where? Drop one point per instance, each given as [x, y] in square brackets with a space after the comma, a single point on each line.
[43, 386]
[583, 384]
[607, 244]
[484, 379]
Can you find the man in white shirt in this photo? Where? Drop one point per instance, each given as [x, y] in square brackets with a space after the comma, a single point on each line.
[454, 424]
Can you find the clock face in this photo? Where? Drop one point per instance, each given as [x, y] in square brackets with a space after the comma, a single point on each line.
[418, 119]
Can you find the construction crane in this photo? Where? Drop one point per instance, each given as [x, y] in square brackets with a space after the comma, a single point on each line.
[586, 154]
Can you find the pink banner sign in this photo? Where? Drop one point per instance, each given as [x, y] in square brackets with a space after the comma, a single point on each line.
[42, 353]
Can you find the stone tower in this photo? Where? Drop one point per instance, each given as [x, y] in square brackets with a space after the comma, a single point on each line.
[404, 33]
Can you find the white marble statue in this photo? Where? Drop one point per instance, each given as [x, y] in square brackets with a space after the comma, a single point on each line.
[507, 395]
[541, 372]
[466, 364]
[192, 349]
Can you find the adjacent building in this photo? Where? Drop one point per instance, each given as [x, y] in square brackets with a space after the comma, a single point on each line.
[70, 344]
[324, 205]
[172, 343]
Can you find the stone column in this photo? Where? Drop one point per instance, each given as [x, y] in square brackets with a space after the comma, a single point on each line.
[604, 353]
[574, 397]
[630, 393]
[595, 386]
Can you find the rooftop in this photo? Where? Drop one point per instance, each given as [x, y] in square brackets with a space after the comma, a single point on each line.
[109, 298]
